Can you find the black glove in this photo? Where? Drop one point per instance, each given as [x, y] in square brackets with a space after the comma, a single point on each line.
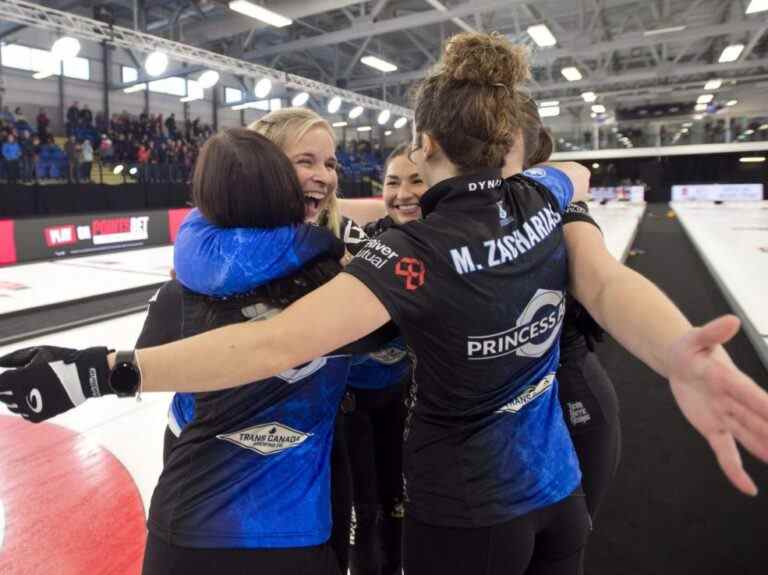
[46, 381]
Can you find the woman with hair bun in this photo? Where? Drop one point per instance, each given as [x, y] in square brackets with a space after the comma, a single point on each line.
[477, 288]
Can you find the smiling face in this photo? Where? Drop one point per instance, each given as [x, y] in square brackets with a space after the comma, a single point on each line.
[314, 158]
[403, 186]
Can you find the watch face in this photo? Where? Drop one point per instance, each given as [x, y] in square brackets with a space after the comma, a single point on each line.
[124, 379]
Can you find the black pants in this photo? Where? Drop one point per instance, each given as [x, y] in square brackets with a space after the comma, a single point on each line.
[341, 496]
[375, 438]
[161, 558]
[591, 411]
[548, 541]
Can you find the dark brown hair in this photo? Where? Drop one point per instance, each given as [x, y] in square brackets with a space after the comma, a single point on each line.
[470, 103]
[400, 150]
[243, 180]
[537, 140]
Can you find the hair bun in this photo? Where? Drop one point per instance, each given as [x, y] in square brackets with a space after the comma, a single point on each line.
[485, 59]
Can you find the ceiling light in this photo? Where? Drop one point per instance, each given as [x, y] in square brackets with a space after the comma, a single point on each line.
[400, 122]
[135, 88]
[388, 133]
[133, 171]
[752, 159]
[757, 6]
[748, 132]
[705, 99]
[684, 131]
[364, 129]
[731, 53]
[713, 85]
[208, 79]
[65, 48]
[339, 124]
[118, 169]
[730, 103]
[156, 63]
[593, 115]
[598, 109]
[549, 103]
[589, 97]
[378, 64]
[687, 124]
[700, 107]
[260, 13]
[300, 99]
[383, 118]
[669, 30]
[334, 104]
[549, 112]
[48, 67]
[571, 74]
[698, 117]
[356, 112]
[542, 35]
[262, 88]
[595, 166]
[763, 127]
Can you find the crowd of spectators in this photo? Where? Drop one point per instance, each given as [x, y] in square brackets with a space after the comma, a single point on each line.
[159, 149]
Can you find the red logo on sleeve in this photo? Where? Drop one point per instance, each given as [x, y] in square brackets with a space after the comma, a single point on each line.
[413, 271]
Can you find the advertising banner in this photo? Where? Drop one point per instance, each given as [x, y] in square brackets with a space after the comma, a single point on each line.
[718, 192]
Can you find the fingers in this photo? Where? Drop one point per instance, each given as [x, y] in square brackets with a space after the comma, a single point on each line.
[745, 392]
[716, 332]
[749, 430]
[729, 459]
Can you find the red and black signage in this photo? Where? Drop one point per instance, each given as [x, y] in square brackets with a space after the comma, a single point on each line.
[7, 243]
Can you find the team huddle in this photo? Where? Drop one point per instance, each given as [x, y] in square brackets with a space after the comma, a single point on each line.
[418, 374]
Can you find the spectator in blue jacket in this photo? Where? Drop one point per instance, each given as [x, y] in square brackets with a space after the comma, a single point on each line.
[11, 155]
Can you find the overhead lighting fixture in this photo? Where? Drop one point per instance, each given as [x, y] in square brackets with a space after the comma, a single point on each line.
[598, 109]
[731, 53]
[669, 30]
[260, 13]
[383, 118]
[334, 104]
[589, 97]
[549, 103]
[388, 133]
[700, 108]
[763, 127]
[748, 132]
[300, 99]
[731, 103]
[595, 166]
[135, 88]
[133, 171]
[118, 169]
[400, 122]
[549, 112]
[757, 6]
[687, 125]
[705, 99]
[593, 115]
[542, 35]
[698, 117]
[684, 131]
[156, 63]
[378, 64]
[356, 112]
[48, 68]
[752, 159]
[65, 48]
[364, 129]
[262, 88]
[571, 74]
[208, 79]
[713, 85]
[339, 124]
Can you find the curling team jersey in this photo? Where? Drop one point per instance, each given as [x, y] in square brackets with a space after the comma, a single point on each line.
[251, 467]
[478, 290]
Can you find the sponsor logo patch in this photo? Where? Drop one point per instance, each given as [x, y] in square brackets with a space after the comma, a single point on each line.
[577, 413]
[528, 395]
[267, 439]
[413, 271]
[535, 173]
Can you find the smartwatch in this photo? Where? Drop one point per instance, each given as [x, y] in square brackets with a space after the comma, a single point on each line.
[125, 377]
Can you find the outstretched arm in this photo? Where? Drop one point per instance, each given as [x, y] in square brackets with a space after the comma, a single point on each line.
[720, 401]
[339, 312]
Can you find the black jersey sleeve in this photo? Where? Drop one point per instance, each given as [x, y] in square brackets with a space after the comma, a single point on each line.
[393, 270]
[354, 236]
[579, 212]
[164, 317]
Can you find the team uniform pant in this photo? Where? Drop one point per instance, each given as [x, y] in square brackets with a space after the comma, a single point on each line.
[547, 541]
[375, 438]
[591, 412]
[162, 558]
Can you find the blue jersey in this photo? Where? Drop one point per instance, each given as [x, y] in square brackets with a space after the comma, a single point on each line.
[381, 369]
[478, 290]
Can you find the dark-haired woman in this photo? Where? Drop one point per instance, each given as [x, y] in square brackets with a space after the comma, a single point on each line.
[477, 288]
